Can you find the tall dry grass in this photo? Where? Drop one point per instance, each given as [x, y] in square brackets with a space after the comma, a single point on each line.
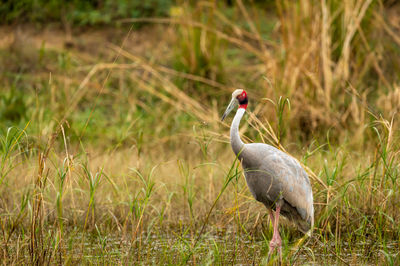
[124, 159]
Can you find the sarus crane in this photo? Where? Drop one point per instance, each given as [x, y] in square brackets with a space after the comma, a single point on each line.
[274, 178]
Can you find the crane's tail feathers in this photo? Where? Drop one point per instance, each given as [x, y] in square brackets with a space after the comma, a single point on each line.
[306, 227]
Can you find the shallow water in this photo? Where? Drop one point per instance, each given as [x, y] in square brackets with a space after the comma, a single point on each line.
[229, 248]
[166, 249]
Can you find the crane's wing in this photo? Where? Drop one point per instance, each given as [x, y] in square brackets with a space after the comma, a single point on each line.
[287, 180]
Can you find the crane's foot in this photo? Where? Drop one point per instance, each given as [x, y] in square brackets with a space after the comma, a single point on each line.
[276, 243]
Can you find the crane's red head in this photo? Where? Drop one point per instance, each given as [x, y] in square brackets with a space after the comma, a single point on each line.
[243, 101]
[238, 97]
[241, 97]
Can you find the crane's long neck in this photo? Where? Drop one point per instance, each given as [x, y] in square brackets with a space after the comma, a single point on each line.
[236, 142]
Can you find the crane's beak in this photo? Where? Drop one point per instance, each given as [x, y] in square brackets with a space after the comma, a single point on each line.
[230, 107]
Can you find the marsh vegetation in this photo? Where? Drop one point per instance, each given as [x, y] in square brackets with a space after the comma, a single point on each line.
[111, 145]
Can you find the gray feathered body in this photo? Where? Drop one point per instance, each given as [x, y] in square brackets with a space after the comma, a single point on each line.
[275, 177]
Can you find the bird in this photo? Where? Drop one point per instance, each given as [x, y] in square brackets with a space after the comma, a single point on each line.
[273, 177]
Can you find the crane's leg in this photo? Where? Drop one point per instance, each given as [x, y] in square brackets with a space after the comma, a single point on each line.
[271, 216]
[276, 241]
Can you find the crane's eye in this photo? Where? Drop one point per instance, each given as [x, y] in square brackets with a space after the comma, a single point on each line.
[242, 96]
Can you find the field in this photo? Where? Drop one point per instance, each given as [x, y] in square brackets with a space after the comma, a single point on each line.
[112, 150]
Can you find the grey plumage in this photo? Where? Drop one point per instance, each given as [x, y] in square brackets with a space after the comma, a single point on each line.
[274, 177]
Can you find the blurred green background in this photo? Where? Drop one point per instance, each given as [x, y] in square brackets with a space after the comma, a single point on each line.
[111, 145]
